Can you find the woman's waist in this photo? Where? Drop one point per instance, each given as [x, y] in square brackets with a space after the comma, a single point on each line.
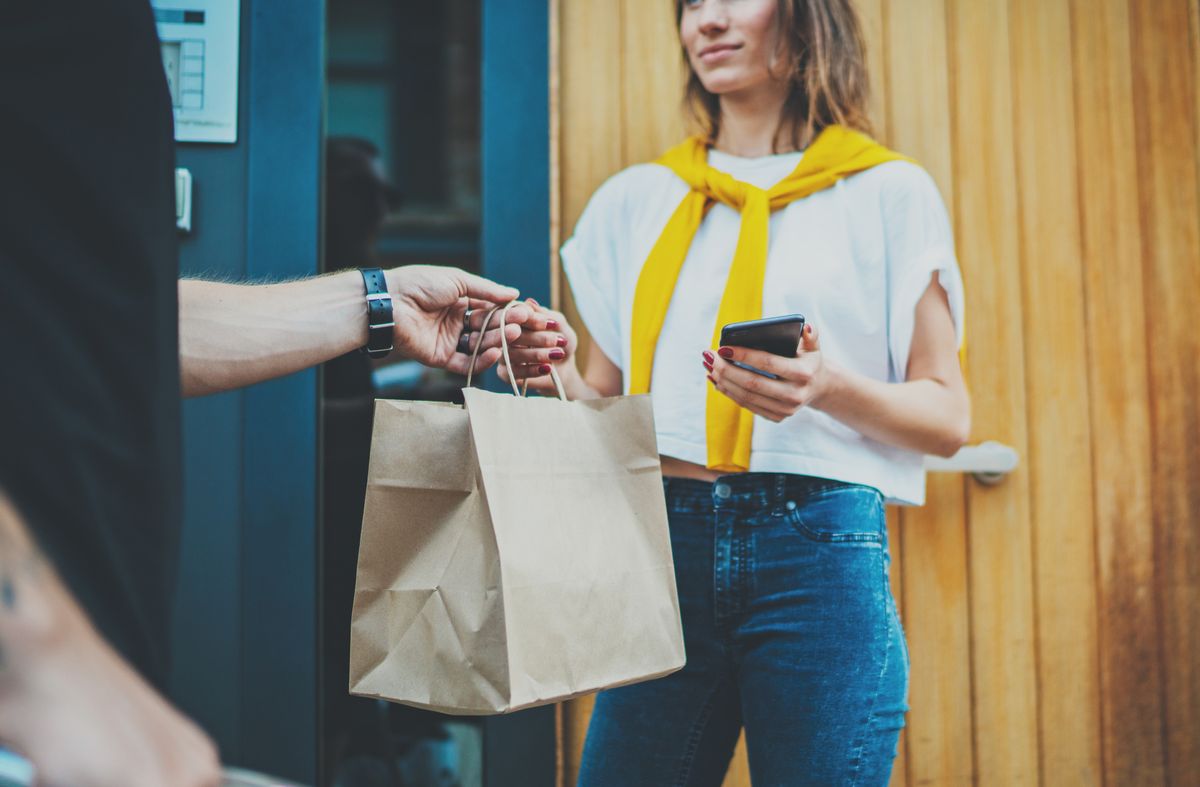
[673, 467]
[748, 491]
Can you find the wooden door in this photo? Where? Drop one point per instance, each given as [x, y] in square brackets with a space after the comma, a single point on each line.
[1053, 620]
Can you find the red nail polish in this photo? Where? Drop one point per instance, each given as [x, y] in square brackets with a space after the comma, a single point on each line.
[709, 358]
[544, 369]
[725, 352]
[552, 325]
[534, 302]
[708, 366]
[808, 329]
[557, 355]
[711, 380]
[561, 341]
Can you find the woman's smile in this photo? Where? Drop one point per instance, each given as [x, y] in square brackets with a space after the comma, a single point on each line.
[717, 53]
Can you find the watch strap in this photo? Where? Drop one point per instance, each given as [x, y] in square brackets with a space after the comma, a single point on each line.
[380, 322]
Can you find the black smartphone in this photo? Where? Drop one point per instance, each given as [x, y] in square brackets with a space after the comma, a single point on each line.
[776, 335]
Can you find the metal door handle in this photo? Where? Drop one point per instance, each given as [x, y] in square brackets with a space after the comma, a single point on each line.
[989, 462]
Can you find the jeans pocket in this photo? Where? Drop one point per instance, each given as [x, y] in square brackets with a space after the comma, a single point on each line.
[850, 514]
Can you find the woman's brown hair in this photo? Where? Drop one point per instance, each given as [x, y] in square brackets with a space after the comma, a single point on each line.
[824, 56]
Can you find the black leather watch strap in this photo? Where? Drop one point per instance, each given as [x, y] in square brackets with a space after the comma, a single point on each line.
[380, 324]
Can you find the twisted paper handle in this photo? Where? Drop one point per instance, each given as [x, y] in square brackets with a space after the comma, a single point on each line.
[524, 389]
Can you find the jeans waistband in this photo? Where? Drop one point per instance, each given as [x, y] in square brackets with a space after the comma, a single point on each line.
[746, 491]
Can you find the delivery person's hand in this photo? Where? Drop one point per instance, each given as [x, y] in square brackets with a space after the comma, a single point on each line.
[67, 700]
[439, 312]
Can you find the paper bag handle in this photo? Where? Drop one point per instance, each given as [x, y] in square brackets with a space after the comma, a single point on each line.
[524, 389]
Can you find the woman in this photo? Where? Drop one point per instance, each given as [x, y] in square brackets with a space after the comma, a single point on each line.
[775, 487]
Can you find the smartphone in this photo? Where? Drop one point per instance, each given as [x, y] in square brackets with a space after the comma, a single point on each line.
[776, 335]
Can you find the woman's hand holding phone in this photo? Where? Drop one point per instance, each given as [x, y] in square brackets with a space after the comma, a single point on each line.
[800, 381]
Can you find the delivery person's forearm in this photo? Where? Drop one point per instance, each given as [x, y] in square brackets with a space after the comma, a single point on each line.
[231, 335]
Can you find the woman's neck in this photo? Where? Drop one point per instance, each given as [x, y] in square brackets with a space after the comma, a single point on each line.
[750, 122]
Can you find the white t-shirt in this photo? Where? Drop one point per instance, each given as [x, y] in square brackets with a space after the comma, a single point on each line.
[854, 259]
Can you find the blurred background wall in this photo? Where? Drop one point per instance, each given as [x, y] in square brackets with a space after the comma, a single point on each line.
[1054, 619]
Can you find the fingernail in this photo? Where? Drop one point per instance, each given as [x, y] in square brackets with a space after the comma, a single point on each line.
[552, 325]
[557, 355]
[725, 352]
[808, 329]
[534, 302]
[561, 341]
[544, 369]
[708, 366]
[711, 380]
[709, 358]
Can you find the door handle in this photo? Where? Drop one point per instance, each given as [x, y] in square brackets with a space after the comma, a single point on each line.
[989, 462]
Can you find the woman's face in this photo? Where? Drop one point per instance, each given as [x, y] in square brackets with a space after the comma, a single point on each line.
[733, 45]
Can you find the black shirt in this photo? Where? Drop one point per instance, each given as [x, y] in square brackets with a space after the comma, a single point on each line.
[89, 403]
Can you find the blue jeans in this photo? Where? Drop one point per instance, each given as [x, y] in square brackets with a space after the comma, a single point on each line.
[791, 631]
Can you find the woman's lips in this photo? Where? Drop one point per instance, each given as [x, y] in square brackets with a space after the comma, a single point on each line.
[717, 53]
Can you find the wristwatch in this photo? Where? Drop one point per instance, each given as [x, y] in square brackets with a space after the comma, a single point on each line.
[379, 313]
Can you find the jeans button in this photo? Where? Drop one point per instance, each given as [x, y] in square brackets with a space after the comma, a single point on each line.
[722, 491]
[791, 505]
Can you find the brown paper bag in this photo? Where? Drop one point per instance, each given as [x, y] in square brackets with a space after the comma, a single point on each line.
[514, 552]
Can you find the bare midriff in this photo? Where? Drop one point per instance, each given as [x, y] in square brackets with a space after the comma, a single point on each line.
[677, 468]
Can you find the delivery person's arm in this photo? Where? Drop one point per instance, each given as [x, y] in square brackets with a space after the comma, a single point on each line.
[231, 335]
[67, 700]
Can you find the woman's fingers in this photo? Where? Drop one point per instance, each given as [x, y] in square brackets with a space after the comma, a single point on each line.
[547, 339]
[536, 377]
[788, 393]
[778, 365]
[756, 403]
[775, 399]
[810, 340]
[535, 355]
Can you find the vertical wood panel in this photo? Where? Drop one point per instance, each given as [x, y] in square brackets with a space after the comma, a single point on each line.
[918, 80]
[1055, 344]
[1194, 29]
[999, 543]
[938, 737]
[1164, 95]
[873, 15]
[591, 36]
[938, 733]
[1130, 677]
[653, 79]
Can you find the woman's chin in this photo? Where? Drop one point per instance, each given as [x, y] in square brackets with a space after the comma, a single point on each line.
[727, 84]
[721, 87]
